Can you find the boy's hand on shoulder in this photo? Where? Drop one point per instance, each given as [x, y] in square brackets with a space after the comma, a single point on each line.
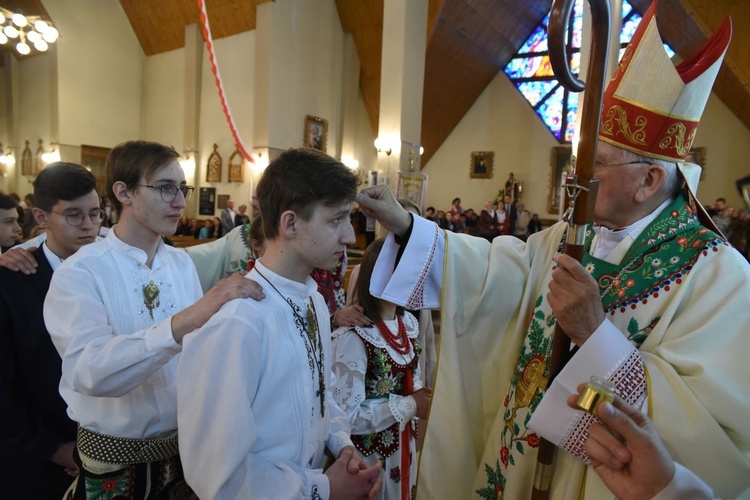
[235, 286]
[351, 477]
[20, 260]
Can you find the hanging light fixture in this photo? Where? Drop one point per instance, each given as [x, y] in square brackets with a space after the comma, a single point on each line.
[25, 32]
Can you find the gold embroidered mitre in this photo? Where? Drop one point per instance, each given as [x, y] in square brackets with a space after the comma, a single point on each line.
[650, 106]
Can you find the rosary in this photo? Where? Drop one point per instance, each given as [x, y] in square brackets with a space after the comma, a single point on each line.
[310, 325]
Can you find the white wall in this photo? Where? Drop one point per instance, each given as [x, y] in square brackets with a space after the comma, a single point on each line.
[235, 57]
[503, 122]
[164, 98]
[100, 73]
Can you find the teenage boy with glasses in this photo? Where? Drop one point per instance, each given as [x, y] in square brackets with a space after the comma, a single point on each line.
[117, 312]
[38, 437]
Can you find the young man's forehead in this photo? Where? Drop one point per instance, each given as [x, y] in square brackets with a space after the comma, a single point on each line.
[171, 173]
[86, 202]
[344, 206]
[8, 213]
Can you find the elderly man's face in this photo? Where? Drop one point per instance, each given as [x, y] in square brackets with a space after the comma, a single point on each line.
[618, 184]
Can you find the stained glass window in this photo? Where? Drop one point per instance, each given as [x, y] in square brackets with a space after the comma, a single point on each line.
[531, 72]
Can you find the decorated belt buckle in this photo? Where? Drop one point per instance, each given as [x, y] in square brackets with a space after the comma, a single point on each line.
[594, 392]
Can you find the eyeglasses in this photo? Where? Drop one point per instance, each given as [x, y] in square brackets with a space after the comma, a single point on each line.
[602, 165]
[169, 191]
[76, 217]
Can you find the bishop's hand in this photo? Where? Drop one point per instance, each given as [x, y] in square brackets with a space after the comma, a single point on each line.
[574, 298]
[379, 202]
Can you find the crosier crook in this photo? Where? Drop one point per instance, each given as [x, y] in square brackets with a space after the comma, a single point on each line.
[582, 187]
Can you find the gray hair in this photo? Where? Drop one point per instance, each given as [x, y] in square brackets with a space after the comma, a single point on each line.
[672, 179]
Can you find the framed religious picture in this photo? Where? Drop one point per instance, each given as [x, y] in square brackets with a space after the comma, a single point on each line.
[412, 186]
[481, 164]
[236, 167]
[316, 133]
[561, 167]
[213, 166]
[27, 162]
[698, 156]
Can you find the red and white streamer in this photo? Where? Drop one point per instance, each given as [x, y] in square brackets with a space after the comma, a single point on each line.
[219, 85]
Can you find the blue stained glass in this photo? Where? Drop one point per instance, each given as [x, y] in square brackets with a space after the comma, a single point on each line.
[552, 108]
[626, 8]
[537, 42]
[571, 116]
[628, 28]
[669, 50]
[529, 67]
[577, 24]
[551, 112]
[575, 63]
[535, 91]
[520, 68]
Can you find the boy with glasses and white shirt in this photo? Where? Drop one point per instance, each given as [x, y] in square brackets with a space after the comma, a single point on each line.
[117, 312]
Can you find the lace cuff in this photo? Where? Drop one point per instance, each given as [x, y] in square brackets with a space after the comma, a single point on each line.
[403, 408]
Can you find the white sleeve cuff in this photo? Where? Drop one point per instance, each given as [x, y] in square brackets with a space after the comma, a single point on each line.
[606, 354]
[159, 337]
[685, 484]
[416, 282]
[403, 408]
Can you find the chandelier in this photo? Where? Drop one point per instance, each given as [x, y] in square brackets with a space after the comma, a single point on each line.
[25, 31]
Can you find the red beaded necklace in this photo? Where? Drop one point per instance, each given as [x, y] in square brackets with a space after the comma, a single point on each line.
[399, 342]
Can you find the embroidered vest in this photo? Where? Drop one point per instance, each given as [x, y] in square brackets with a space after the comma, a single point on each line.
[383, 378]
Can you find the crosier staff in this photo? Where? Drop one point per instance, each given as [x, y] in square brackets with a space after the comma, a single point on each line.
[582, 187]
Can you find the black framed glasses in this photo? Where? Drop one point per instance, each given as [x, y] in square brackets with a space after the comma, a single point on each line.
[169, 191]
[76, 217]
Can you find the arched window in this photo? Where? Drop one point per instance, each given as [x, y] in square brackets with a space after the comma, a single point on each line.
[531, 72]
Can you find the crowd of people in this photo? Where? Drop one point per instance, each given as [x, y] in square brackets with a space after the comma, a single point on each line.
[504, 217]
[133, 369]
[734, 226]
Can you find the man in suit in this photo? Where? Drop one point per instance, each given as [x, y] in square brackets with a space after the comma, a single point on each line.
[227, 217]
[37, 438]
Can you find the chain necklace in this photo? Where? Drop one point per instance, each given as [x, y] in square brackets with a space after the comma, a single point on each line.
[399, 341]
[313, 340]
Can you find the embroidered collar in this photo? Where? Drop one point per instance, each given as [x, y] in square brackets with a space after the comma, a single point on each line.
[372, 335]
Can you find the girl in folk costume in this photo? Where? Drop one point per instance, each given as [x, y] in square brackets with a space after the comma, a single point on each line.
[378, 384]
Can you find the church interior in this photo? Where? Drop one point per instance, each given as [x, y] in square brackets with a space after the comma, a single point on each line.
[432, 80]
